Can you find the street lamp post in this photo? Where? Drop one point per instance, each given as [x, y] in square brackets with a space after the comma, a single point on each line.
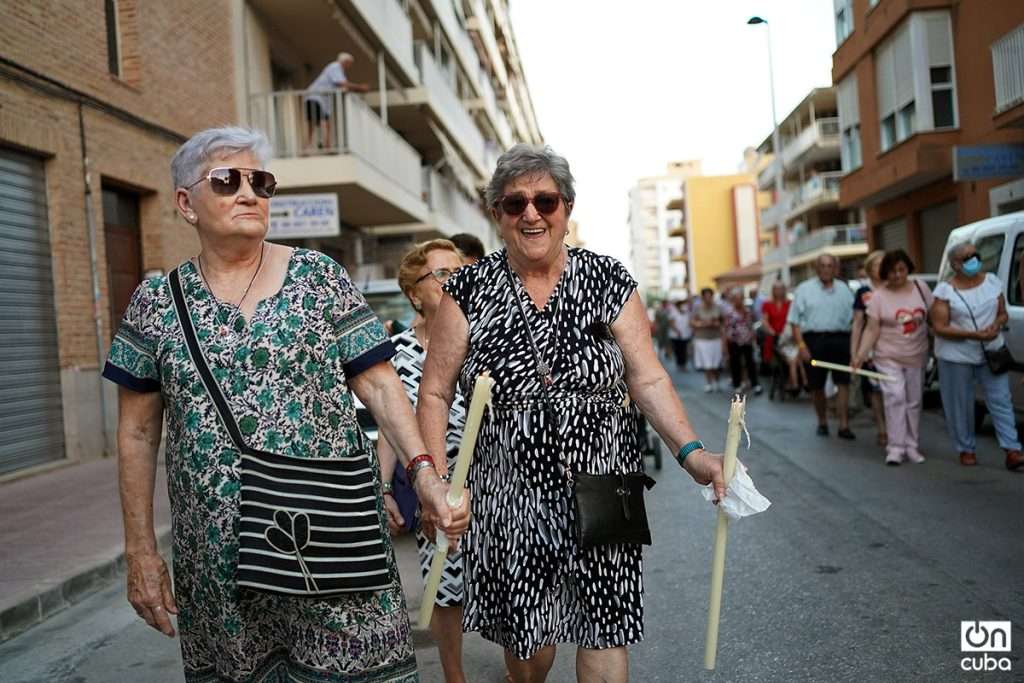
[777, 147]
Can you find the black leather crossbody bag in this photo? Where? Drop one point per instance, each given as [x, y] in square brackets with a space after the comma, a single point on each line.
[609, 507]
[309, 526]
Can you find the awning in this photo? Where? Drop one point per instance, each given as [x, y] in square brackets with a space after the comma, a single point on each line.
[739, 276]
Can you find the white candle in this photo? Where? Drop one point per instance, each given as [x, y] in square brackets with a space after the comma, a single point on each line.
[481, 399]
[732, 443]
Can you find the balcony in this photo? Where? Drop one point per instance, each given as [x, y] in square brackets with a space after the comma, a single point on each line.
[374, 171]
[481, 27]
[839, 240]
[448, 109]
[452, 212]
[821, 190]
[1008, 72]
[457, 36]
[766, 178]
[488, 102]
[387, 21]
[817, 142]
[773, 215]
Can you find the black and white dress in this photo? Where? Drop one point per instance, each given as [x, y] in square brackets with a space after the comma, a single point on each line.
[528, 584]
[408, 361]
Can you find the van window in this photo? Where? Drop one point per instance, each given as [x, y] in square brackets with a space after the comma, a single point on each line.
[1014, 295]
[990, 249]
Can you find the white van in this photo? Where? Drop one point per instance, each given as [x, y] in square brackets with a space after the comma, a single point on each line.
[1000, 244]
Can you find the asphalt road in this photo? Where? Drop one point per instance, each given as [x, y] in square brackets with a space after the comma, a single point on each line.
[858, 572]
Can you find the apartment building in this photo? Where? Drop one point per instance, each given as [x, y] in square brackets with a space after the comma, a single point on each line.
[931, 116]
[807, 211]
[719, 229]
[657, 244]
[95, 99]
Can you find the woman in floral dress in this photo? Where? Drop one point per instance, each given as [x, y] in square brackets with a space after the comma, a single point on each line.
[288, 338]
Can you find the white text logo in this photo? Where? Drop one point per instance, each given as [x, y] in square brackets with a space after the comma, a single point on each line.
[983, 638]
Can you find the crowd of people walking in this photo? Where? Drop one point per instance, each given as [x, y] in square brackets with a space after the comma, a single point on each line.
[891, 325]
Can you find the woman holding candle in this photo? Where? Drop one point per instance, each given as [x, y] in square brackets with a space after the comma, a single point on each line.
[897, 332]
[564, 334]
[423, 271]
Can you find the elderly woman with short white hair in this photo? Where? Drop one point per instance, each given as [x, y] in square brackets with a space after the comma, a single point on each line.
[254, 350]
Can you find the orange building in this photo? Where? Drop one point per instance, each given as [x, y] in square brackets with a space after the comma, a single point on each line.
[931, 108]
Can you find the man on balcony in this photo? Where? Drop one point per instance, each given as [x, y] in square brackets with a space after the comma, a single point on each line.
[320, 101]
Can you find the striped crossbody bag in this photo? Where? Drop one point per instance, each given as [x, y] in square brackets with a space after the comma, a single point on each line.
[309, 526]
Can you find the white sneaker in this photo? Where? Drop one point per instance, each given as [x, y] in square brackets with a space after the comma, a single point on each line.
[915, 457]
[708, 388]
[894, 458]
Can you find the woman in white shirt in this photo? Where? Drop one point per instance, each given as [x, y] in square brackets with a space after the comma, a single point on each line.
[967, 316]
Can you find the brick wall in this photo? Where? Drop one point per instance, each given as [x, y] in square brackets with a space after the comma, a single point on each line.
[176, 72]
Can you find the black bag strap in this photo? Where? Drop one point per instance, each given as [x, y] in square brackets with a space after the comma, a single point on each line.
[199, 360]
[920, 293]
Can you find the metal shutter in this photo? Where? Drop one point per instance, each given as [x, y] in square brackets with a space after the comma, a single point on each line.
[892, 235]
[31, 415]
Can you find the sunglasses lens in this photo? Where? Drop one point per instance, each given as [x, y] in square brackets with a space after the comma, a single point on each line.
[546, 203]
[514, 204]
[263, 184]
[225, 181]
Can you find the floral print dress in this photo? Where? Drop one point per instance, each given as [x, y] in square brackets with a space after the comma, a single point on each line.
[285, 374]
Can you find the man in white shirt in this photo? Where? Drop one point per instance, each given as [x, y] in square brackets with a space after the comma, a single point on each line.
[320, 105]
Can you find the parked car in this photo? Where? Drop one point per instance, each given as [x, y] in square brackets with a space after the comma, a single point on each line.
[1000, 244]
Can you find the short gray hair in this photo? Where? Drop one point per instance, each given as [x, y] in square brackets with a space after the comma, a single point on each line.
[190, 159]
[524, 159]
[956, 252]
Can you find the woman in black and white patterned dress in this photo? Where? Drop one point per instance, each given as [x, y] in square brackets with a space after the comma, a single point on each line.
[528, 584]
[424, 269]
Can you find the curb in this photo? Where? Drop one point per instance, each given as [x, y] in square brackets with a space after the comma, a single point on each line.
[33, 610]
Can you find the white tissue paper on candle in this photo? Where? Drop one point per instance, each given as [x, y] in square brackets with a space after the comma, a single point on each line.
[742, 498]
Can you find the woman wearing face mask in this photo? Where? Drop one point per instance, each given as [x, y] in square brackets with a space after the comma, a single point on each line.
[897, 332]
[968, 312]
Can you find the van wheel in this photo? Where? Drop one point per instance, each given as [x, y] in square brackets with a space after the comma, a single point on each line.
[980, 411]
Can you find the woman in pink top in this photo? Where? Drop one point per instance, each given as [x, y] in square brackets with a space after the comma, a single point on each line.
[897, 333]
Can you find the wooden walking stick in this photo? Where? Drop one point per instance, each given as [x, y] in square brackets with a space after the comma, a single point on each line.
[481, 399]
[732, 443]
[850, 369]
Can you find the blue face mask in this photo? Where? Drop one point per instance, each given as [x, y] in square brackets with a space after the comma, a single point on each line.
[972, 266]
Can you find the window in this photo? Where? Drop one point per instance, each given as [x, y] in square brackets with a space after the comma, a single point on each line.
[113, 38]
[990, 249]
[915, 77]
[849, 123]
[844, 19]
[1015, 287]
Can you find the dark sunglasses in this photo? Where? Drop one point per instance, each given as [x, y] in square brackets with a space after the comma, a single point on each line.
[546, 203]
[226, 181]
[441, 275]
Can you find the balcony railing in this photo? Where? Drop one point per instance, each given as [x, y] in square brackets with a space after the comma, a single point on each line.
[458, 121]
[820, 187]
[772, 215]
[1008, 69]
[495, 113]
[823, 132]
[393, 28]
[346, 125]
[457, 35]
[445, 198]
[833, 235]
[481, 24]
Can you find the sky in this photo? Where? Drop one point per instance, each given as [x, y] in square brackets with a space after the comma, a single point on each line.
[620, 89]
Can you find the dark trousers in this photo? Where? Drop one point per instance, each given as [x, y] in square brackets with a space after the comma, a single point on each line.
[679, 347]
[741, 355]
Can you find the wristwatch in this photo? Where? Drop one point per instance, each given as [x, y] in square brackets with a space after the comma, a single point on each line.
[688, 448]
[386, 487]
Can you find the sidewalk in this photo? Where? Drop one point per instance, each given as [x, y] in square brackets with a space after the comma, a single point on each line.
[63, 539]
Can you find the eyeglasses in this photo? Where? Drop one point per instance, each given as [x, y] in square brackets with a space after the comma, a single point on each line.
[227, 181]
[546, 203]
[441, 275]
